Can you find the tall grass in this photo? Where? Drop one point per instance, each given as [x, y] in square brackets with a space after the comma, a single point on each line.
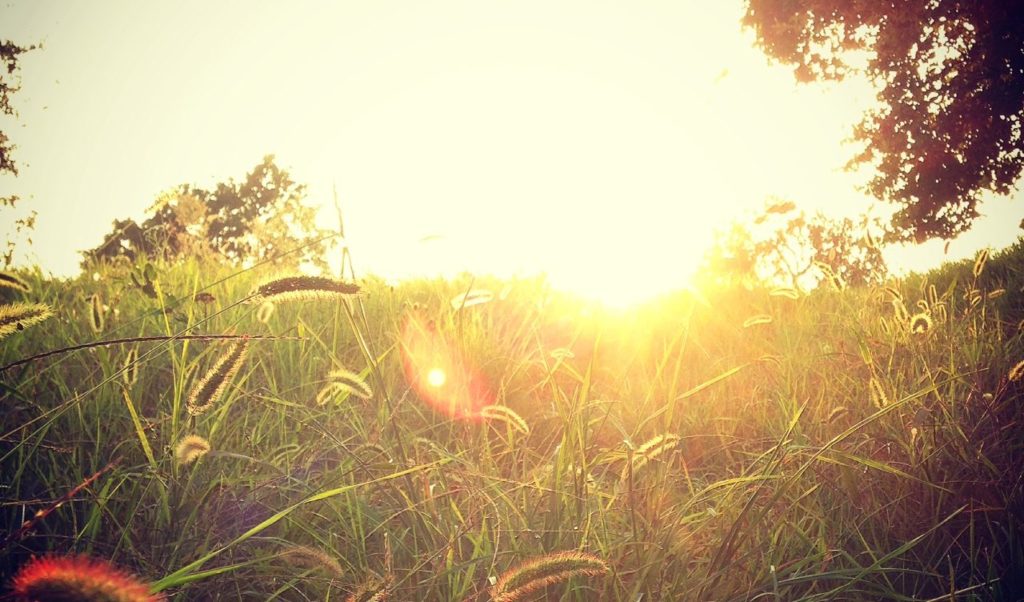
[734, 447]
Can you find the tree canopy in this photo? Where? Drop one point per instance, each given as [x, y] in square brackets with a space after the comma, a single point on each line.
[950, 80]
[255, 219]
[10, 53]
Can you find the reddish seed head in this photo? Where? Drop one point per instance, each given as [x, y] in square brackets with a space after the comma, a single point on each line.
[77, 578]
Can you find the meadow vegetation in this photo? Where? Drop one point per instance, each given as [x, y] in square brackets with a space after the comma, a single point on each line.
[733, 444]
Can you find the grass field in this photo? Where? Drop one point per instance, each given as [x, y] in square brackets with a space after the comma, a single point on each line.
[733, 445]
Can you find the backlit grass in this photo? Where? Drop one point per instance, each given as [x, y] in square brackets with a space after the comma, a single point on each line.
[747, 444]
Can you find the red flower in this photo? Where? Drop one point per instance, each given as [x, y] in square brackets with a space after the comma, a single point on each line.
[78, 579]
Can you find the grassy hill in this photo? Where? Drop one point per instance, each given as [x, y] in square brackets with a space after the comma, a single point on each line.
[735, 445]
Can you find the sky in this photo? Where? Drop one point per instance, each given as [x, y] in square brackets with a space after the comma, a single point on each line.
[599, 142]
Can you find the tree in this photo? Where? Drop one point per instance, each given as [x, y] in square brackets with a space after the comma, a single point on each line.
[950, 79]
[782, 245]
[237, 222]
[9, 84]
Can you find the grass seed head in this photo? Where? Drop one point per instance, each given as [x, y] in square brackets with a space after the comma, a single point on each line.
[536, 574]
[311, 558]
[507, 415]
[19, 316]
[756, 320]
[1017, 372]
[784, 291]
[344, 382]
[130, 374]
[208, 390]
[77, 578]
[96, 313]
[900, 310]
[302, 288]
[649, 450]
[979, 263]
[878, 395]
[894, 293]
[920, 323]
[265, 311]
[13, 281]
[372, 590]
[190, 449]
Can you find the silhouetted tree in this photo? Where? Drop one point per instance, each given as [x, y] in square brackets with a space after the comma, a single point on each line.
[251, 220]
[9, 84]
[783, 245]
[950, 75]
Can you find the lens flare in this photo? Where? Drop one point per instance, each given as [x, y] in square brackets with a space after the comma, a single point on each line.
[436, 377]
[439, 373]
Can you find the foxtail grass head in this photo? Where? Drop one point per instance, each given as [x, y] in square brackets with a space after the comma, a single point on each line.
[877, 392]
[77, 579]
[506, 415]
[372, 590]
[13, 281]
[920, 323]
[341, 384]
[785, 291]
[302, 288]
[130, 372]
[979, 263]
[536, 574]
[757, 320]
[97, 314]
[1016, 373]
[649, 451]
[311, 558]
[19, 316]
[211, 387]
[190, 449]
[264, 313]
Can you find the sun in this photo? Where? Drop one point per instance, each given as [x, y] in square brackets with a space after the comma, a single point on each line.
[436, 377]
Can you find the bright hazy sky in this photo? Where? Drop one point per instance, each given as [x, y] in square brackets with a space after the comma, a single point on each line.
[601, 142]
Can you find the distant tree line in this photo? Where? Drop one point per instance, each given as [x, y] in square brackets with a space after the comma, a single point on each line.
[784, 246]
[251, 220]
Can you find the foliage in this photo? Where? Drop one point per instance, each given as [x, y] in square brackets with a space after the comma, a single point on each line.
[950, 76]
[784, 246]
[238, 222]
[10, 53]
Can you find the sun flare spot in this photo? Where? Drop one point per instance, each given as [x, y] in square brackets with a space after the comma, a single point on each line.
[436, 378]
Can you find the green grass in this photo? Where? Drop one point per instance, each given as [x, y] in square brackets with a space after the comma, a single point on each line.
[786, 482]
